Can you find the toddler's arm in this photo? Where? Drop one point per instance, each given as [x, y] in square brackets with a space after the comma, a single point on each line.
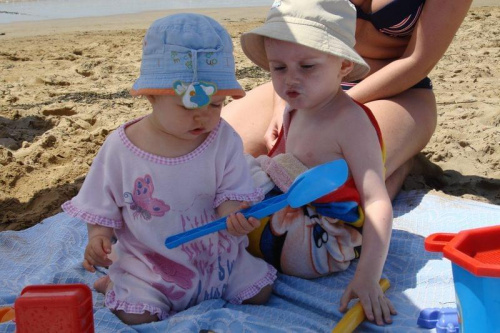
[98, 247]
[363, 154]
[376, 236]
[237, 224]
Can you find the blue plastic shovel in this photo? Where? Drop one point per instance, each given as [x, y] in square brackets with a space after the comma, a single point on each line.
[307, 187]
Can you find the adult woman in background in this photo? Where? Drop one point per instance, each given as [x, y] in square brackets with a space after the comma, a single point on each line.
[402, 41]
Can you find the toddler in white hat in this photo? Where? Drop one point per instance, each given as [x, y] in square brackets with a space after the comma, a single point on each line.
[177, 168]
[308, 47]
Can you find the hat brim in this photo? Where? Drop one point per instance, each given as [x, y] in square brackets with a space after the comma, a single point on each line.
[152, 84]
[313, 36]
[234, 93]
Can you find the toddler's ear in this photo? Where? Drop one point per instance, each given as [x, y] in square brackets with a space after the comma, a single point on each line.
[346, 68]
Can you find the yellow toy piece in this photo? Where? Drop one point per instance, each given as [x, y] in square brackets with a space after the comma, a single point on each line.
[356, 315]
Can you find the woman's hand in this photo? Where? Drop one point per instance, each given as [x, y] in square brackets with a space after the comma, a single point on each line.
[273, 130]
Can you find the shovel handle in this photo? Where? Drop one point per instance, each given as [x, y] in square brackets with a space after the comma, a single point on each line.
[436, 242]
[260, 210]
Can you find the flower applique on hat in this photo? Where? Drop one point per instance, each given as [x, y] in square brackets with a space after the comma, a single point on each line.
[196, 94]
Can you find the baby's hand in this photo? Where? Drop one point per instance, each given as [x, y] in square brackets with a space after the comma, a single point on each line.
[96, 253]
[239, 225]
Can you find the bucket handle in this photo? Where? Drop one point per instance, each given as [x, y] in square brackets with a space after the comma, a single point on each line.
[436, 242]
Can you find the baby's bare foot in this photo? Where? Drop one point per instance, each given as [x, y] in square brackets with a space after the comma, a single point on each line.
[103, 284]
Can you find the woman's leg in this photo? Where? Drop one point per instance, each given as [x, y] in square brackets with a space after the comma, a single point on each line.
[250, 116]
[407, 123]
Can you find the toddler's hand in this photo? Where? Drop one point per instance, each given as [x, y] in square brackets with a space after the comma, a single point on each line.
[96, 253]
[377, 307]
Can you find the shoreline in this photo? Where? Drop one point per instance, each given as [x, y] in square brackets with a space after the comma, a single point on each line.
[141, 20]
[133, 21]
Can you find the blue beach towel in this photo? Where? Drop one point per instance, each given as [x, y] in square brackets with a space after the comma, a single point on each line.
[51, 252]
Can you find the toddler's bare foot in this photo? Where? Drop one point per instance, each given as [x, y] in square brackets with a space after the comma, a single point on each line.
[102, 284]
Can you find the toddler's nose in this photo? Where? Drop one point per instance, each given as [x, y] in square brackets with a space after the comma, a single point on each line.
[201, 114]
[291, 79]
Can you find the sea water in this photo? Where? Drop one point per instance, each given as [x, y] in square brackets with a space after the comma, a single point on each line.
[15, 10]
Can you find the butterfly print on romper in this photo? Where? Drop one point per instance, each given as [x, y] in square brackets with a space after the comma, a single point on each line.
[143, 202]
[171, 272]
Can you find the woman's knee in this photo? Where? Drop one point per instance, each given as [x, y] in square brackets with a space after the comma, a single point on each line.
[407, 123]
[250, 117]
[421, 106]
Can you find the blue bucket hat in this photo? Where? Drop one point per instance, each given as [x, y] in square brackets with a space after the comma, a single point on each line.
[189, 55]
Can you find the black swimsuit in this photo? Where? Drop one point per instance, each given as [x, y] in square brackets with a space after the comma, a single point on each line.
[425, 83]
[396, 19]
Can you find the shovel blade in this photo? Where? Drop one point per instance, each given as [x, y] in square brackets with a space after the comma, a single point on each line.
[317, 182]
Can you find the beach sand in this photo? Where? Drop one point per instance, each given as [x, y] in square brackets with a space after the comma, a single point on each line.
[64, 86]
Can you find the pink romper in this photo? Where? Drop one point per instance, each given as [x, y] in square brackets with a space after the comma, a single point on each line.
[147, 198]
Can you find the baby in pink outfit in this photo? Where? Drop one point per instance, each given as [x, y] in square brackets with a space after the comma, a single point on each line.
[175, 169]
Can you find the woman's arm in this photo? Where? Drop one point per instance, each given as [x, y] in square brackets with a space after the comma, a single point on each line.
[433, 34]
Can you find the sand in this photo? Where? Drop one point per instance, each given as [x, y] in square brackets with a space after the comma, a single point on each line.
[64, 86]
